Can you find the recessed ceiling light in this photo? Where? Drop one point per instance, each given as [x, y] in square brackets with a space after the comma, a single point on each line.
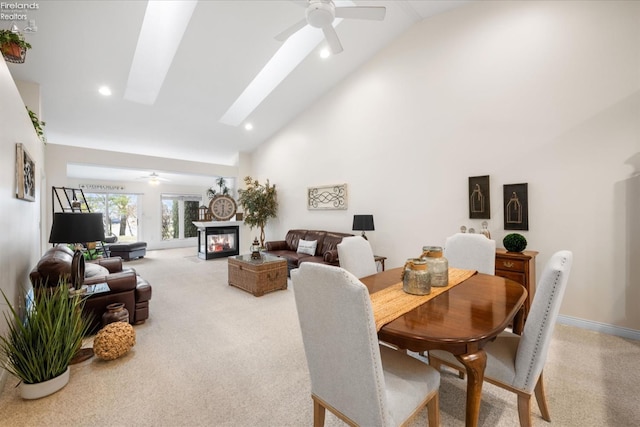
[248, 126]
[104, 90]
[325, 53]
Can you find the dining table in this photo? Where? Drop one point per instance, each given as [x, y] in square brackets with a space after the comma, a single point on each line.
[460, 320]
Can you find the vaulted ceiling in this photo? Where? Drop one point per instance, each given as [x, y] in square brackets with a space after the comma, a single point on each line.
[82, 45]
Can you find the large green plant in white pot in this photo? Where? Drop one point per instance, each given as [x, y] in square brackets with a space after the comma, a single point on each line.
[38, 347]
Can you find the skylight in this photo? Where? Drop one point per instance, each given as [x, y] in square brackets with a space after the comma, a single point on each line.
[164, 24]
[289, 56]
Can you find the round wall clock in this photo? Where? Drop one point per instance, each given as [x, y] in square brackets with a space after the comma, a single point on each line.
[222, 207]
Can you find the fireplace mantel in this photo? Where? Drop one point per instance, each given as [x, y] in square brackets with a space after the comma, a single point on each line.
[205, 224]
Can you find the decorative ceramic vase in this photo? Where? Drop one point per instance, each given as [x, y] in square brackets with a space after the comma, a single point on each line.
[416, 279]
[437, 265]
[45, 388]
[485, 230]
[116, 312]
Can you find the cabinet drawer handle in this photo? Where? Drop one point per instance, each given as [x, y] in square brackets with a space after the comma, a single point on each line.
[507, 264]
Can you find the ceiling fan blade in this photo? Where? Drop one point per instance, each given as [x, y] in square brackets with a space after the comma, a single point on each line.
[332, 38]
[291, 30]
[374, 13]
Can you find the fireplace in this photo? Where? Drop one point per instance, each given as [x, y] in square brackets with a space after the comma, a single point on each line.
[218, 242]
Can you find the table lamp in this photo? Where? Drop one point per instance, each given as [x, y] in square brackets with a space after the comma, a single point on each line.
[362, 223]
[74, 228]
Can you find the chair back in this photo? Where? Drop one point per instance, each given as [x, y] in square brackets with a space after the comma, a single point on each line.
[340, 342]
[356, 256]
[541, 319]
[471, 251]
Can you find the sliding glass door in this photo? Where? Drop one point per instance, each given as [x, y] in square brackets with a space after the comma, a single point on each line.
[119, 214]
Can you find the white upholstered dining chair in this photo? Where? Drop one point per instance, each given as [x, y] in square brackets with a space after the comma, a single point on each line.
[362, 382]
[515, 362]
[356, 256]
[471, 251]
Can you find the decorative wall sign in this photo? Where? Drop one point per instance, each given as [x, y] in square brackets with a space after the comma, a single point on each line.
[327, 197]
[516, 207]
[101, 187]
[479, 200]
[25, 175]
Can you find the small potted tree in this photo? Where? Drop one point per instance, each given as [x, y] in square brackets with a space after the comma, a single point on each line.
[259, 204]
[13, 46]
[39, 346]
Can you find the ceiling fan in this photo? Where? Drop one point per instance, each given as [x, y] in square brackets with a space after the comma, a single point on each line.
[322, 13]
[153, 178]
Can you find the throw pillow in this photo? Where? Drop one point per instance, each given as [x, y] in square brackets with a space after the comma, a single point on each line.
[92, 270]
[307, 247]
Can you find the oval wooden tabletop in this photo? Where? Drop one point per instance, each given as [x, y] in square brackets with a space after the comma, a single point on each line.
[460, 320]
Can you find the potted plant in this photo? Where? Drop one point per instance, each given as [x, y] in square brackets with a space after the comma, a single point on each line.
[224, 190]
[13, 46]
[514, 242]
[39, 346]
[259, 204]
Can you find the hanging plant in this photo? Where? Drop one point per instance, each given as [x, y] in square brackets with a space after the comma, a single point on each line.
[37, 125]
[13, 46]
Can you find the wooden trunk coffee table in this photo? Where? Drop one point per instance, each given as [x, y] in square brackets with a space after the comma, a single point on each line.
[269, 273]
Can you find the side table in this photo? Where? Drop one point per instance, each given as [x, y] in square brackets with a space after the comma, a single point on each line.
[380, 259]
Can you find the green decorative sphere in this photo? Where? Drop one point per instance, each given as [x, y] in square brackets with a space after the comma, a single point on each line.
[514, 242]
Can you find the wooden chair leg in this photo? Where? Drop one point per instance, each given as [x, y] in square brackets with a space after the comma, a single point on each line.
[524, 409]
[542, 400]
[318, 414]
[435, 363]
[433, 410]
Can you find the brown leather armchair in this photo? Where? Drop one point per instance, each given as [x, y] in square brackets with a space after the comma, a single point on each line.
[125, 285]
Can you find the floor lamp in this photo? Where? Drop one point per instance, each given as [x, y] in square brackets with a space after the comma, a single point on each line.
[75, 228]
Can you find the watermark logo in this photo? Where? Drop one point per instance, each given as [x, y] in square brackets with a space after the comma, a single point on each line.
[14, 11]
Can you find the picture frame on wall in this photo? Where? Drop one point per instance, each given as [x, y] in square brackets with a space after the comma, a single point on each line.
[479, 197]
[327, 197]
[25, 175]
[516, 206]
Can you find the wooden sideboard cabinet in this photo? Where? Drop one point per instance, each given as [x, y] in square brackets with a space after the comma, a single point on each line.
[519, 267]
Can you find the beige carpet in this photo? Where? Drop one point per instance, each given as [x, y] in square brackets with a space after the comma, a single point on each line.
[214, 355]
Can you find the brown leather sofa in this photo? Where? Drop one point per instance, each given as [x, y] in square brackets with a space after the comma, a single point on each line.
[124, 284]
[326, 247]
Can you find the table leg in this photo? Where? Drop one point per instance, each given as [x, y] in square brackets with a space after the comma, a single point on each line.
[475, 364]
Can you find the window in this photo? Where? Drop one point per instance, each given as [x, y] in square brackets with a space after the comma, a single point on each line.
[178, 213]
[119, 214]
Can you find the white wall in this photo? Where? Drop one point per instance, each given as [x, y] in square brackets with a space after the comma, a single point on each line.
[19, 219]
[544, 93]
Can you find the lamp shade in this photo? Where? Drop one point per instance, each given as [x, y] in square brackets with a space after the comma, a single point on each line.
[363, 222]
[76, 227]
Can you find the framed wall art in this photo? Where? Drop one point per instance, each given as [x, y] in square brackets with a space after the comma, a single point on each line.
[479, 197]
[25, 175]
[516, 206]
[327, 197]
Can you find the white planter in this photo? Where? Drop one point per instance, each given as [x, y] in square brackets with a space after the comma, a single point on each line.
[36, 391]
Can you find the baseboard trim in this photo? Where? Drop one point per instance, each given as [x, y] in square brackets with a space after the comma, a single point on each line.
[600, 327]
